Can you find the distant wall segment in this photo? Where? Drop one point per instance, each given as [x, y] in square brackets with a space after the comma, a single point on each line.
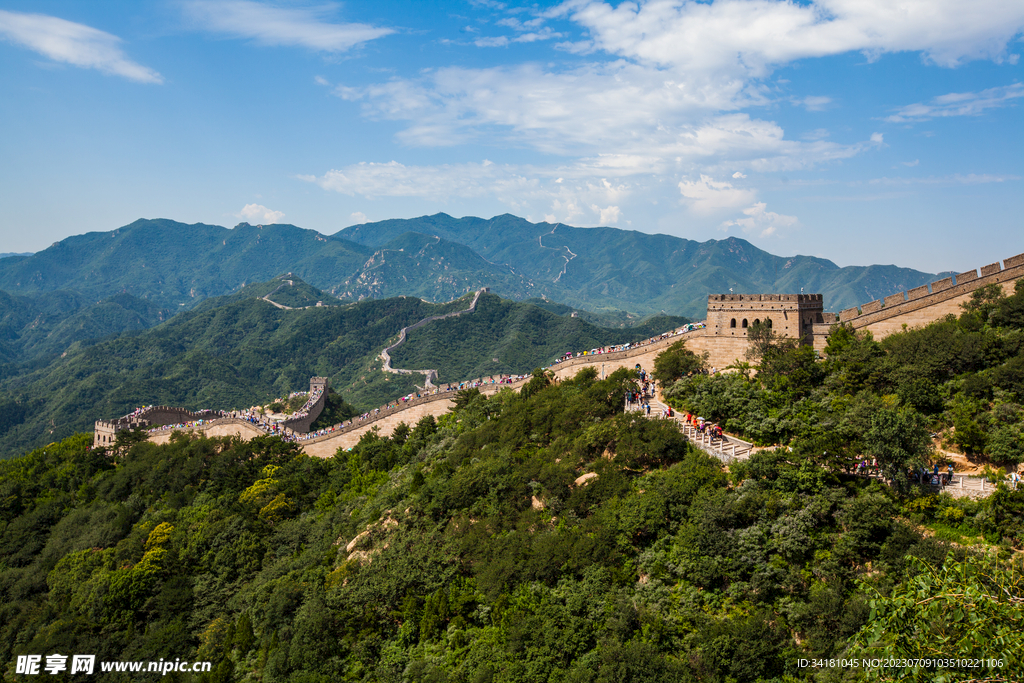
[919, 306]
[152, 416]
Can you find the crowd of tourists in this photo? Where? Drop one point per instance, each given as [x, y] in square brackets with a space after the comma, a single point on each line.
[569, 355]
[639, 400]
[314, 396]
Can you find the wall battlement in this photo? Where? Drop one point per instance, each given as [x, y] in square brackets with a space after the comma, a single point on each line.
[922, 305]
[948, 287]
[751, 298]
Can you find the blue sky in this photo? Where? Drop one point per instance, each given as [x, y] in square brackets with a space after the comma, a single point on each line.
[863, 131]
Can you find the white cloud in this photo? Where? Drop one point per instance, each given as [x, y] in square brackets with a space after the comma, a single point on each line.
[659, 105]
[707, 196]
[738, 174]
[269, 24]
[532, 37]
[357, 217]
[911, 164]
[607, 216]
[71, 43]
[763, 223]
[814, 103]
[959, 104]
[676, 67]
[257, 213]
[568, 193]
[750, 37]
[955, 179]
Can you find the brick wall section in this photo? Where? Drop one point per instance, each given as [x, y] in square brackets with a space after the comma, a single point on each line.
[105, 431]
[225, 426]
[990, 269]
[893, 299]
[945, 298]
[871, 307]
[850, 313]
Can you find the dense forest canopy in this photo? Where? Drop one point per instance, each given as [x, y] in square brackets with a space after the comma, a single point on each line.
[467, 549]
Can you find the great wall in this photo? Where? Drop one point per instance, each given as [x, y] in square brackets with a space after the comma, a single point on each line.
[723, 338]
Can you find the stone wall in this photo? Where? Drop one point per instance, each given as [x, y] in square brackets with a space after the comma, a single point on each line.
[105, 431]
[919, 306]
[225, 426]
[301, 425]
[790, 315]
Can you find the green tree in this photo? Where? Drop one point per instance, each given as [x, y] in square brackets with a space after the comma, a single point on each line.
[899, 440]
[678, 361]
[967, 609]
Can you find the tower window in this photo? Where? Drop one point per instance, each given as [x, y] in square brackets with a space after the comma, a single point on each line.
[744, 322]
[732, 323]
[769, 322]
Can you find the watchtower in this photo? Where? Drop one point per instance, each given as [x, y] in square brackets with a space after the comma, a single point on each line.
[789, 315]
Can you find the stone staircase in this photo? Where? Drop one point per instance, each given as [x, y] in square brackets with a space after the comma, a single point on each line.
[727, 449]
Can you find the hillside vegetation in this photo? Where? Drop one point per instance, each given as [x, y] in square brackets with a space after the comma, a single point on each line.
[462, 550]
[37, 327]
[239, 351]
[504, 336]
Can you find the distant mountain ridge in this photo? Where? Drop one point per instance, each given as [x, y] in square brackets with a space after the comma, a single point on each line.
[439, 258]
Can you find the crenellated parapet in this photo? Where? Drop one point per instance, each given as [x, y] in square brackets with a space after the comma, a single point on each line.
[949, 290]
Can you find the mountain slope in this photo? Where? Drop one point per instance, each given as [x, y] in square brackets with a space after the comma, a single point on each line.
[239, 350]
[432, 268]
[606, 267]
[36, 326]
[439, 257]
[179, 265]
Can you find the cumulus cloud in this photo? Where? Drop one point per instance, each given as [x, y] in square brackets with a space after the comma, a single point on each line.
[708, 196]
[738, 174]
[750, 37]
[661, 101]
[959, 104]
[763, 223]
[357, 217]
[257, 213]
[70, 43]
[270, 24]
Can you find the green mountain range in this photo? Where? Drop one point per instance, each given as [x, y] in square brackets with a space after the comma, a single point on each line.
[175, 266]
[239, 350]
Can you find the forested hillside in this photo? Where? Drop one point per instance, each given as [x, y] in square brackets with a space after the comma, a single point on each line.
[36, 327]
[597, 268]
[465, 550]
[239, 350]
